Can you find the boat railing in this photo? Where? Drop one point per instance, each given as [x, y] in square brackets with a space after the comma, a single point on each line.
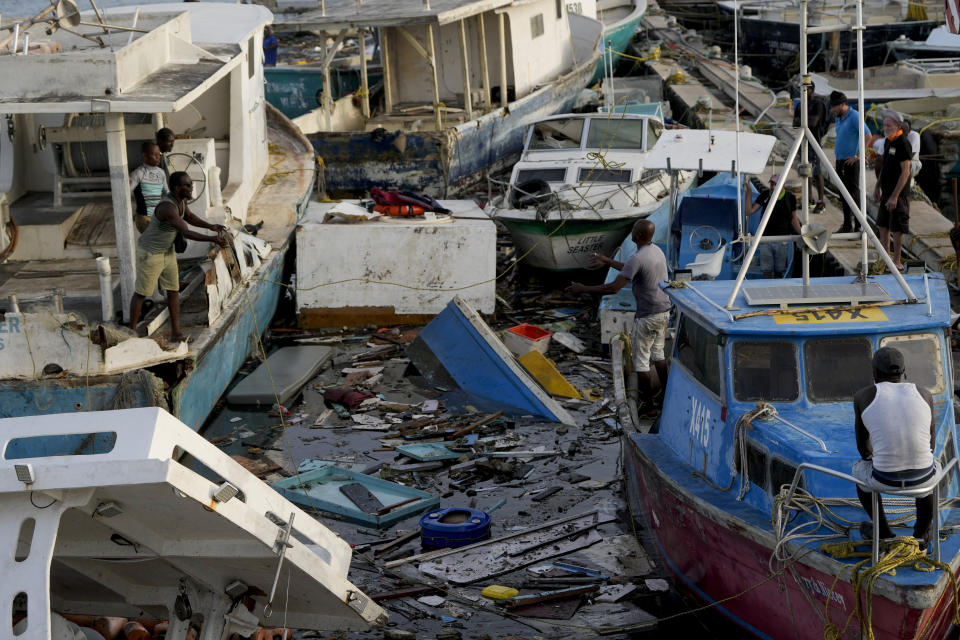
[905, 493]
[507, 188]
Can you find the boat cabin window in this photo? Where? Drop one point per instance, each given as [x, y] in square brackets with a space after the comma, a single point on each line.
[697, 350]
[765, 371]
[824, 357]
[600, 174]
[547, 175]
[782, 473]
[921, 357]
[564, 133]
[756, 464]
[536, 26]
[616, 133]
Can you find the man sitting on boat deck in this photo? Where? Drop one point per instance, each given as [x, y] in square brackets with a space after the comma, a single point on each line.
[773, 257]
[847, 150]
[645, 269]
[156, 258]
[148, 183]
[895, 436]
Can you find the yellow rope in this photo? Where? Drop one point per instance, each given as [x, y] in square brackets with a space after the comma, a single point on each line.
[899, 552]
[653, 55]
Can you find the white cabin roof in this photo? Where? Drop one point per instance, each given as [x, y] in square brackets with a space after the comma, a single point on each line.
[342, 14]
[711, 150]
[188, 48]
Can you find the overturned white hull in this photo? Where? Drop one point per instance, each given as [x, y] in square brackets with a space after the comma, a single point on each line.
[121, 530]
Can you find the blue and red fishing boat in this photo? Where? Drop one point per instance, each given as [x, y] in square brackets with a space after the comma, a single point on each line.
[743, 484]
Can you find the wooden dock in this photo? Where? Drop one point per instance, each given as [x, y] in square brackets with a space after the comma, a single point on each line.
[710, 81]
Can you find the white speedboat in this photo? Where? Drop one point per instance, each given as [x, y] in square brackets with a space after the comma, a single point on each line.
[580, 186]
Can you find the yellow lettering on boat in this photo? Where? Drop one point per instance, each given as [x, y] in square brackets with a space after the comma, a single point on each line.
[863, 314]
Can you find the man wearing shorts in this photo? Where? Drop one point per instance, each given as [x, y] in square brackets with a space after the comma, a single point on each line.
[892, 192]
[156, 258]
[645, 270]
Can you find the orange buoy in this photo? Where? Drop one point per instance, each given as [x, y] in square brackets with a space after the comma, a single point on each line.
[399, 210]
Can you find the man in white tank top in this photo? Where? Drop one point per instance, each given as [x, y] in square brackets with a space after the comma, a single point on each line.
[895, 436]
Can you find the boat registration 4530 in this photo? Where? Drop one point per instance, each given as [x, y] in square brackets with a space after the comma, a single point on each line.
[862, 314]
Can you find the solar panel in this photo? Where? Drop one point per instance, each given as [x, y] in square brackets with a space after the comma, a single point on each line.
[783, 295]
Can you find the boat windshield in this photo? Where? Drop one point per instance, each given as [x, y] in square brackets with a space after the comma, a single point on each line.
[563, 133]
[921, 358]
[616, 133]
[824, 357]
[765, 371]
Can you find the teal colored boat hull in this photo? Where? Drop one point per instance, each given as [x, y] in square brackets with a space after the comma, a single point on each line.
[617, 36]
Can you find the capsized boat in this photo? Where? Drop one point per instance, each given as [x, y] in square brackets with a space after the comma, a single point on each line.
[461, 81]
[75, 119]
[744, 481]
[459, 353]
[581, 184]
[128, 530]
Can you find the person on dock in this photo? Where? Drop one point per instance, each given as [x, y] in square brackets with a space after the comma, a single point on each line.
[165, 140]
[148, 182]
[892, 191]
[818, 121]
[270, 46]
[895, 435]
[847, 151]
[773, 257]
[156, 258]
[645, 270]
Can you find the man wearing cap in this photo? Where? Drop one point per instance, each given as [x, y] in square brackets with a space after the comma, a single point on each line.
[895, 436]
[773, 257]
[847, 150]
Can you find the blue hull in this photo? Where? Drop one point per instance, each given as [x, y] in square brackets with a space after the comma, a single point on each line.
[456, 354]
[440, 163]
[194, 396]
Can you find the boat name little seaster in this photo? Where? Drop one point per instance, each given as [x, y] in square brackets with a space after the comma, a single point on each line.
[587, 244]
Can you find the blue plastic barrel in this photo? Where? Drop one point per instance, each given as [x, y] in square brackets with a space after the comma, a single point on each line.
[454, 527]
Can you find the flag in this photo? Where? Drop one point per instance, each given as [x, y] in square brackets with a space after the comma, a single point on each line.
[952, 12]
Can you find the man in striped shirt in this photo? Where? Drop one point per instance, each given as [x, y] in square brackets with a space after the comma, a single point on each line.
[148, 182]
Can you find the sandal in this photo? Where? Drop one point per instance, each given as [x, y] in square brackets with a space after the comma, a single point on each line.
[181, 338]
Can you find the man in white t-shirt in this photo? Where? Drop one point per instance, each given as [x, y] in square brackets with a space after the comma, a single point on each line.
[896, 435]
